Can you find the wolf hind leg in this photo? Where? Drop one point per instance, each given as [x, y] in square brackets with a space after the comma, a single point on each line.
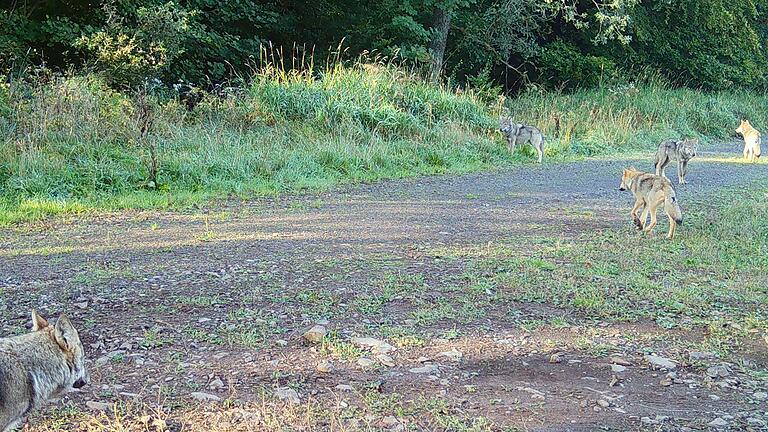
[652, 210]
[538, 144]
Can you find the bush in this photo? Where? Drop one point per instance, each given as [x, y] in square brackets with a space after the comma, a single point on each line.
[562, 64]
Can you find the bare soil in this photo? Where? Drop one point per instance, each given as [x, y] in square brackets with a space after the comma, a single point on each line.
[216, 299]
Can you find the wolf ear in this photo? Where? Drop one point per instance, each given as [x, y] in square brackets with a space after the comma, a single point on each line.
[65, 333]
[38, 322]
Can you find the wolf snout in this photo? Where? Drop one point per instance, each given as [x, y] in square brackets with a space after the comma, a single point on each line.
[80, 383]
[621, 188]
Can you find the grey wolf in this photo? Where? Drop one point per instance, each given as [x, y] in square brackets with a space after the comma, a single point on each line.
[650, 192]
[681, 151]
[37, 366]
[518, 133]
[751, 140]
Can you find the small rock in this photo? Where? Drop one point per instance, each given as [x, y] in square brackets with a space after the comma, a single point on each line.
[365, 362]
[556, 358]
[82, 305]
[204, 397]
[203, 320]
[660, 362]
[666, 382]
[389, 421]
[97, 406]
[761, 396]
[603, 403]
[453, 355]
[324, 367]
[714, 397]
[700, 355]
[288, 394]
[718, 423]
[281, 342]
[344, 388]
[216, 384]
[621, 361]
[386, 360]
[617, 368]
[376, 346]
[719, 371]
[426, 369]
[315, 334]
[535, 394]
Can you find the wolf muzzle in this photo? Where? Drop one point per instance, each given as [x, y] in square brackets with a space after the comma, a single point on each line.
[80, 383]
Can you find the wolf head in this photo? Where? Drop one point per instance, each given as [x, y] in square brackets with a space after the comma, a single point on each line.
[743, 127]
[689, 147]
[68, 341]
[626, 178]
[507, 127]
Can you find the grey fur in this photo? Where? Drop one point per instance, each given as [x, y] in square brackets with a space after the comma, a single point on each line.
[37, 366]
[680, 150]
[518, 133]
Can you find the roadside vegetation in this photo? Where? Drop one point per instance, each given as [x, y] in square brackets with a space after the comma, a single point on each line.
[71, 144]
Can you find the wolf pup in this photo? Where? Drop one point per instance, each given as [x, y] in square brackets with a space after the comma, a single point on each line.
[517, 133]
[38, 366]
[751, 140]
[650, 192]
[681, 151]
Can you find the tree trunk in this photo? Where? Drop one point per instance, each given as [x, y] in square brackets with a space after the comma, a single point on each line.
[441, 24]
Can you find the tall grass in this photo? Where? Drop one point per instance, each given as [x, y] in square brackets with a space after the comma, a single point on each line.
[629, 118]
[70, 144]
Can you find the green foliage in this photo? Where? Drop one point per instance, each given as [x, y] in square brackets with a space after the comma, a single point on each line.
[709, 43]
[564, 65]
[129, 54]
[712, 43]
[629, 118]
[76, 141]
[73, 143]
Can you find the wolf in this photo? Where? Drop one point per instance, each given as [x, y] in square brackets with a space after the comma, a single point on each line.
[517, 133]
[751, 140]
[37, 366]
[650, 192]
[681, 151]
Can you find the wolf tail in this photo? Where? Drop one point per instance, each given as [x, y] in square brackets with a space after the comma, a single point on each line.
[673, 209]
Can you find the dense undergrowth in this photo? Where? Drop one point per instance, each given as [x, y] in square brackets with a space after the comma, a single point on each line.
[71, 144]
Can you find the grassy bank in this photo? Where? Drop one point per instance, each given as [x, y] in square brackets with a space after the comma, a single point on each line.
[70, 145]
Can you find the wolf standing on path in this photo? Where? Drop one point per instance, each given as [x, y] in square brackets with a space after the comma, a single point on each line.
[681, 151]
[650, 192]
[517, 133]
[751, 140]
[37, 366]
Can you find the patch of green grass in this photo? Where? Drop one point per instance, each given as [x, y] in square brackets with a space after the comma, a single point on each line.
[153, 338]
[201, 335]
[606, 120]
[711, 269]
[333, 345]
[293, 132]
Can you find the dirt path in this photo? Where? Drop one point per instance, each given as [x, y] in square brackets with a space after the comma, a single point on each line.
[216, 301]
